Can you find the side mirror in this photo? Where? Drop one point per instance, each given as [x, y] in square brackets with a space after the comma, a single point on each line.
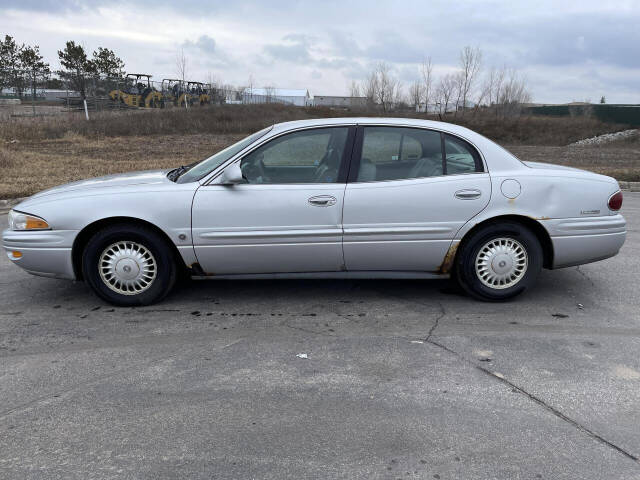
[232, 175]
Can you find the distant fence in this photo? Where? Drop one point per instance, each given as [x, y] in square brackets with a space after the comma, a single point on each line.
[611, 113]
[53, 96]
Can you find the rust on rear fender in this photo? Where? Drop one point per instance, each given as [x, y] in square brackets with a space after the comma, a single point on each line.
[447, 263]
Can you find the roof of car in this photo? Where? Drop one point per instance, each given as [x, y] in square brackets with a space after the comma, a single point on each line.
[450, 127]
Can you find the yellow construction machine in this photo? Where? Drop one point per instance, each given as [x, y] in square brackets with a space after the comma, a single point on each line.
[199, 92]
[174, 92]
[137, 92]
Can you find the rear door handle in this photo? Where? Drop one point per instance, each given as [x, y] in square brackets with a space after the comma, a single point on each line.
[468, 194]
[322, 201]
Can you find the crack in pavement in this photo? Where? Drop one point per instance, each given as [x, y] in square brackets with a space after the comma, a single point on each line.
[521, 390]
[586, 276]
[538, 400]
[443, 313]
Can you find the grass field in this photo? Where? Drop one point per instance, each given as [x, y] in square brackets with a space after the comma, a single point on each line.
[41, 154]
[28, 167]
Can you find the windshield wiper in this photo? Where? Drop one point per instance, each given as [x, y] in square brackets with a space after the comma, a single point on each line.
[174, 174]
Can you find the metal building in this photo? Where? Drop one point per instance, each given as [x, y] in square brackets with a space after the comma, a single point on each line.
[289, 96]
[342, 102]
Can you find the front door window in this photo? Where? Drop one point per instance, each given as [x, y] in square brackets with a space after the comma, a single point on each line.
[306, 156]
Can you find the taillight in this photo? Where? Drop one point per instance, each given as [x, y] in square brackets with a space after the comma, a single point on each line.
[615, 201]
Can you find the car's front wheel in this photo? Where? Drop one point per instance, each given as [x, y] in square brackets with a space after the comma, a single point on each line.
[499, 261]
[129, 265]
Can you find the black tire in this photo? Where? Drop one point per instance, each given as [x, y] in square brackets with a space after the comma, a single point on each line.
[162, 261]
[469, 279]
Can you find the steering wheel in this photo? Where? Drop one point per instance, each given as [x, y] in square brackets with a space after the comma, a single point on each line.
[254, 170]
[325, 170]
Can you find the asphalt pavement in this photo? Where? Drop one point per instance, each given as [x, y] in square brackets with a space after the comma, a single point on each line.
[325, 379]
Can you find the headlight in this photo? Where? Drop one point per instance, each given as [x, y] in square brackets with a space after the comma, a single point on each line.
[25, 221]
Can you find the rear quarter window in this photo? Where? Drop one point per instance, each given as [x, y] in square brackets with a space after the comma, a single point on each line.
[460, 156]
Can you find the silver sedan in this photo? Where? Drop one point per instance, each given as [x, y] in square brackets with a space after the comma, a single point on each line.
[327, 198]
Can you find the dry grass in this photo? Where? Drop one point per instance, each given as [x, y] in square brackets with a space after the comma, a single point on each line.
[6, 159]
[34, 166]
[537, 130]
[220, 119]
[232, 119]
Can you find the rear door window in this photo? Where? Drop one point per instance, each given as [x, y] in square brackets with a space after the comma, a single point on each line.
[396, 153]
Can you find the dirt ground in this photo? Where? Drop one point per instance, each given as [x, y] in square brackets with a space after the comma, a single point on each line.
[30, 166]
[620, 160]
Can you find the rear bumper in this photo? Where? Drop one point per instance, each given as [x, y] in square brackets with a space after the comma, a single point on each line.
[584, 240]
[46, 253]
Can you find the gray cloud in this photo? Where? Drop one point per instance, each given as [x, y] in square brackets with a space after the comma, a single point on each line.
[204, 43]
[295, 49]
[566, 49]
[394, 47]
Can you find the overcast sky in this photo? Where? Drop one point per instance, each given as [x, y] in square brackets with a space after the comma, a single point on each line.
[568, 50]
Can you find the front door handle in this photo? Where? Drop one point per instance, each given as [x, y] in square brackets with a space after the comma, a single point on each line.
[322, 201]
[468, 194]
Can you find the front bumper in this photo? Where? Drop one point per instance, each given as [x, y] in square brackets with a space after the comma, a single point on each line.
[577, 241]
[46, 253]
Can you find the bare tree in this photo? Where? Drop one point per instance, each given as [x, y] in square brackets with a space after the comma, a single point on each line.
[213, 80]
[514, 93]
[398, 98]
[182, 65]
[470, 61]
[416, 94]
[270, 93]
[370, 88]
[381, 88]
[216, 94]
[458, 89]
[427, 81]
[485, 95]
[444, 92]
[389, 87]
[354, 89]
[497, 89]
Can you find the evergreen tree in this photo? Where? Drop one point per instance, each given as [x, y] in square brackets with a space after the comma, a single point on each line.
[77, 67]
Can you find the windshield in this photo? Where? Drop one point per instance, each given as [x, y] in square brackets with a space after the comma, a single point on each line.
[199, 170]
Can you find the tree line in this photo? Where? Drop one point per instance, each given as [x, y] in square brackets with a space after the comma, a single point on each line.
[503, 90]
[22, 67]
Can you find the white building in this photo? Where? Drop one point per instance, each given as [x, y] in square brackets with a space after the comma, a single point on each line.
[290, 96]
[51, 94]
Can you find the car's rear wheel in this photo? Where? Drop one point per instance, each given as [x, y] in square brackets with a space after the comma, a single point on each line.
[499, 261]
[129, 265]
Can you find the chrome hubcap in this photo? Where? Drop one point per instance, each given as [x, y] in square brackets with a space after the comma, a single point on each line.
[127, 268]
[501, 263]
